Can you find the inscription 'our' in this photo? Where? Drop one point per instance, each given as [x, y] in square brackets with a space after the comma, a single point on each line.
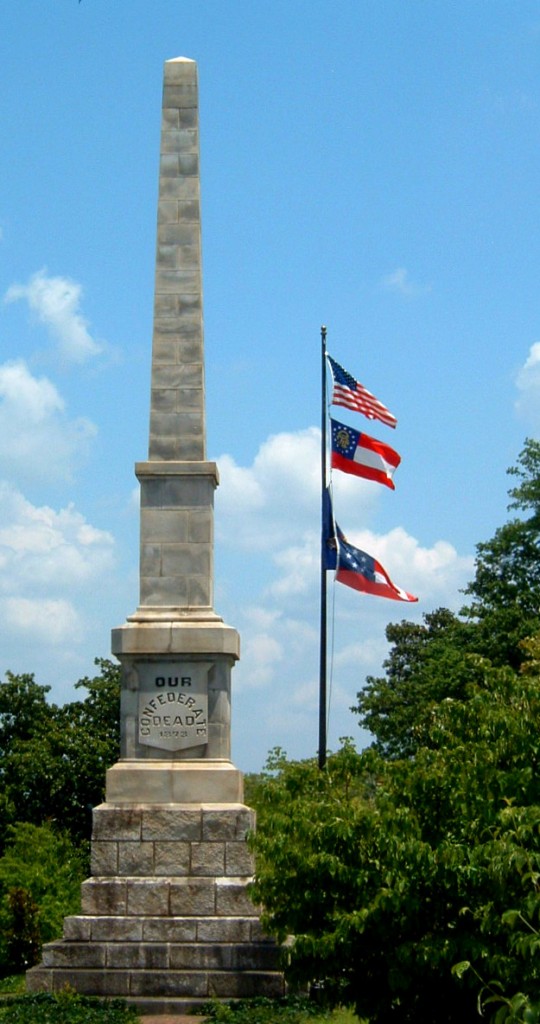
[172, 681]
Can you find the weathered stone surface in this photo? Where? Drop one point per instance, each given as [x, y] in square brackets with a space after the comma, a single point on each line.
[207, 859]
[114, 823]
[224, 929]
[116, 929]
[104, 896]
[164, 983]
[172, 823]
[78, 929]
[192, 897]
[172, 858]
[170, 929]
[200, 957]
[227, 822]
[139, 955]
[100, 982]
[147, 897]
[104, 860]
[234, 985]
[136, 858]
[232, 899]
[238, 859]
[178, 782]
[70, 954]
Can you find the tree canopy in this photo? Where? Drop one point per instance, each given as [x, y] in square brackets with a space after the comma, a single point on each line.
[438, 658]
[412, 884]
[53, 759]
[52, 772]
[409, 873]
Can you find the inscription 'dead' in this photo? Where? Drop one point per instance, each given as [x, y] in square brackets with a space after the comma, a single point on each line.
[173, 705]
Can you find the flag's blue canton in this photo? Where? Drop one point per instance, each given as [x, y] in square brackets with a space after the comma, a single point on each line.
[344, 440]
[358, 561]
[341, 375]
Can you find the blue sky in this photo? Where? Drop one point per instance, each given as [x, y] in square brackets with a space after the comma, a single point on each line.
[371, 165]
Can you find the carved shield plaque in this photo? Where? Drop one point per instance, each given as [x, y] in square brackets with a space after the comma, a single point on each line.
[173, 704]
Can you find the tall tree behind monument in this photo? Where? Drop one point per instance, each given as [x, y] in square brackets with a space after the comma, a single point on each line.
[166, 918]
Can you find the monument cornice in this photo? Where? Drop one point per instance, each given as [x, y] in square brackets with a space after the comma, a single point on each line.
[145, 636]
[169, 467]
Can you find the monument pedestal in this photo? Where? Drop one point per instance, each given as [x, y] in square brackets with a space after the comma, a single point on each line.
[166, 921]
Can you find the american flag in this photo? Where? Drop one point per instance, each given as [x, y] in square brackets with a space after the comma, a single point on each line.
[352, 395]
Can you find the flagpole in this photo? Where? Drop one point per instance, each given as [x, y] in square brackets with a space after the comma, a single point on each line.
[324, 485]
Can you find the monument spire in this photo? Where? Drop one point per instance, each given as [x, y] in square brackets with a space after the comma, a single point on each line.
[177, 483]
[177, 410]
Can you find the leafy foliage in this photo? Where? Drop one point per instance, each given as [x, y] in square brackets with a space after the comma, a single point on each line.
[40, 876]
[52, 772]
[410, 874]
[288, 1010]
[66, 1007]
[13, 984]
[21, 935]
[390, 872]
[506, 587]
[427, 663]
[53, 759]
[438, 659]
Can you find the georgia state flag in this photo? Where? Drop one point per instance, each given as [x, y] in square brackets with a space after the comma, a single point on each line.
[362, 455]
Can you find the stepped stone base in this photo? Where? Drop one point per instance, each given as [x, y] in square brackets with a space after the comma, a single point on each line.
[166, 921]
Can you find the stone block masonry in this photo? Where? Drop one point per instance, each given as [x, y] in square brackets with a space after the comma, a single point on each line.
[166, 921]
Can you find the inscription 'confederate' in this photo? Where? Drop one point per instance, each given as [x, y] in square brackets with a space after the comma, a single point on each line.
[173, 720]
[173, 704]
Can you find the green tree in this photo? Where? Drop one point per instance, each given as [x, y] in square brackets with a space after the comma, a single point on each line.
[410, 874]
[40, 876]
[53, 759]
[428, 662]
[21, 938]
[505, 591]
[391, 872]
[436, 660]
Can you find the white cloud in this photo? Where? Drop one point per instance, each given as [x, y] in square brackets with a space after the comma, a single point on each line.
[36, 399]
[37, 439]
[299, 565]
[56, 301]
[271, 511]
[528, 385]
[50, 622]
[262, 654]
[51, 563]
[47, 552]
[399, 281]
[271, 503]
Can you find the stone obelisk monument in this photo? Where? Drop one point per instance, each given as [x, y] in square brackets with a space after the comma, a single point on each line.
[166, 919]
